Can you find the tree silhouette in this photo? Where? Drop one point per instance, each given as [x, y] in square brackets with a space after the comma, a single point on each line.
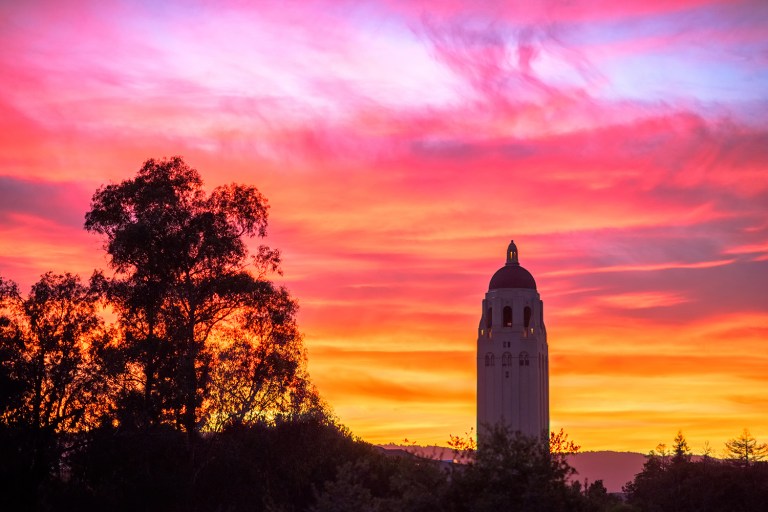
[260, 372]
[188, 296]
[51, 380]
[560, 445]
[513, 472]
[745, 449]
[680, 451]
[51, 335]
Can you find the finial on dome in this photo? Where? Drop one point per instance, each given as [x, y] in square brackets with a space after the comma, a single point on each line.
[512, 254]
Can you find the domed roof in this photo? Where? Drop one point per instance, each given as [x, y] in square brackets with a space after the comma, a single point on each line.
[512, 275]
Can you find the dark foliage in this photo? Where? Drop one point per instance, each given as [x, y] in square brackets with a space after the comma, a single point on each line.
[248, 468]
[205, 338]
[51, 383]
[677, 484]
[514, 472]
[385, 483]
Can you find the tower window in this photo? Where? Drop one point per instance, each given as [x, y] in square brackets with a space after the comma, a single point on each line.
[523, 359]
[506, 359]
[489, 359]
[527, 317]
[507, 316]
[488, 317]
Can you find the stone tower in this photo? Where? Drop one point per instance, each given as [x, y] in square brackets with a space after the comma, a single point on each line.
[512, 361]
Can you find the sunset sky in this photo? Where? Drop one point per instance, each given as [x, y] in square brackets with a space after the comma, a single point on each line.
[401, 145]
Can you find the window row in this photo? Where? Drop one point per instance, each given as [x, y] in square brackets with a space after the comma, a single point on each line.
[507, 359]
[507, 317]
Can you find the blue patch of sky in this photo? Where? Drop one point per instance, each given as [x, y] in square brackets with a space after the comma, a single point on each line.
[708, 54]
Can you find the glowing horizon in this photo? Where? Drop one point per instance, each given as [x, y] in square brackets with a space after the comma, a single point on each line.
[624, 146]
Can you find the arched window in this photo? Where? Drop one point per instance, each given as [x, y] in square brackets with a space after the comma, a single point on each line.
[527, 317]
[506, 359]
[493, 360]
[523, 359]
[488, 317]
[489, 359]
[507, 316]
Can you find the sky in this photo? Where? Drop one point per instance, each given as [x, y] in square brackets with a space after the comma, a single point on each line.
[401, 145]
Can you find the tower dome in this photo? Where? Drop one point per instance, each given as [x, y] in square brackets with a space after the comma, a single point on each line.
[512, 275]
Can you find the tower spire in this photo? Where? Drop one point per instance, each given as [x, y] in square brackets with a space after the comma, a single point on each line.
[512, 254]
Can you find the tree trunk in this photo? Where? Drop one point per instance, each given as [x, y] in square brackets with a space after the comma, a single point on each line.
[190, 381]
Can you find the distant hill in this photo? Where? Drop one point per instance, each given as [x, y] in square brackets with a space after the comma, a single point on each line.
[614, 468]
[428, 452]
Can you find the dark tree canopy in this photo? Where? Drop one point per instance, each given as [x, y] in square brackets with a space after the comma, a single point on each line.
[514, 472]
[161, 224]
[190, 299]
[49, 339]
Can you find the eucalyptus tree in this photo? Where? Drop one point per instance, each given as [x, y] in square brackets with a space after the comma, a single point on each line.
[185, 287]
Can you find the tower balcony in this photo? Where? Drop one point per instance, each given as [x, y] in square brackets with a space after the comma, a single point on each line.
[487, 332]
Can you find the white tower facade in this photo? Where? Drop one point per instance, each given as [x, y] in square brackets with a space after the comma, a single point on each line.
[512, 354]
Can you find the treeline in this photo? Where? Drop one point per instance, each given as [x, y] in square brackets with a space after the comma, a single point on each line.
[671, 481]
